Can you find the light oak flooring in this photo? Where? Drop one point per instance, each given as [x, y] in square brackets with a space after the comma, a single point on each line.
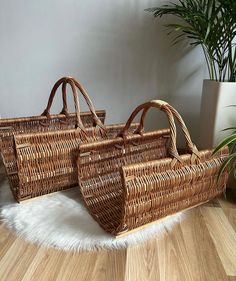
[202, 247]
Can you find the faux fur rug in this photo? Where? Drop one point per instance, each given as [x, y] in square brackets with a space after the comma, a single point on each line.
[61, 220]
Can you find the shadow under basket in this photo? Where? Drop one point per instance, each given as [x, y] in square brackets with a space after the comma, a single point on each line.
[134, 180]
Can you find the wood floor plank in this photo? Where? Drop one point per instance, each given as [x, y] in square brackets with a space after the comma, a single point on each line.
[173, 257]
[142, 262]
[79, 267]
[229, 208]
[223, 236]
[116, 265]
[94, 266]
[34, 268]
[163, 258]
[184, 253]
[14, 263]
[204, 261]
[45, 265]
[231, 216]
[7, 238]
[192, 255]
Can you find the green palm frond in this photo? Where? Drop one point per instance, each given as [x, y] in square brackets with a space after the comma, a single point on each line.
[227, 141]
[230, 161]
[211, 24]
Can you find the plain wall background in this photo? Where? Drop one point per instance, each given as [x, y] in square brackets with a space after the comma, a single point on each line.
[120, 53]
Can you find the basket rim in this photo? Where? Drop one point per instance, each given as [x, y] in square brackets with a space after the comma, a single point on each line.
[96, 145]
[186, 156]
[41, 117]
[60, 132]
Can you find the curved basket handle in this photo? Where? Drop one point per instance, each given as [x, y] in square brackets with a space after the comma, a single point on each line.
[140, 128]
[79, 123]
[64, 81]
[46, 112]
[88, 101]
[171, 113]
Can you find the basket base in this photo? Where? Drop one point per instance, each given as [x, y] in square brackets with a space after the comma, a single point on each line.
[30, 199]
[122, 234]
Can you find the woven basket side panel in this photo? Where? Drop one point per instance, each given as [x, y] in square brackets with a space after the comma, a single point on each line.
[156, 190]
[11, 127]
[146, 191]
[47, 161]
[100, 178]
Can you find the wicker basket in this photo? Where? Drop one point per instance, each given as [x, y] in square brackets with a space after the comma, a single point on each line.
[46, 122]
[134, 180]
[46, 161]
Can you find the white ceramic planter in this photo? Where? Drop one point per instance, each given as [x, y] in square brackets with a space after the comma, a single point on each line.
[216, 114]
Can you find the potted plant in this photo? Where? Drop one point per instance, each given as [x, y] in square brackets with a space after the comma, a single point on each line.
[210, 24]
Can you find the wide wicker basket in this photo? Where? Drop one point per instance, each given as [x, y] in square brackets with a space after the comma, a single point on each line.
[134, 180]
[17, 126]
[46, 161]
[44, 123]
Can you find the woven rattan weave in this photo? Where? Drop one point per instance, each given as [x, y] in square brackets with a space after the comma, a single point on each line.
[46, 122]
[135, 179]
[46, 161]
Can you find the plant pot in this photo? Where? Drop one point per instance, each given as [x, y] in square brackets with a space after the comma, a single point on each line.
[216, 113]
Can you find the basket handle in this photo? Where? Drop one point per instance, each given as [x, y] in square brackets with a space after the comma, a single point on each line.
[70, 80]
[171, 113]
[96, 119]
[46, 112]
[79, 123]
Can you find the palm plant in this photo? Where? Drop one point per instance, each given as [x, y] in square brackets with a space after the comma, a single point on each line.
[210, 24]
[230, 161]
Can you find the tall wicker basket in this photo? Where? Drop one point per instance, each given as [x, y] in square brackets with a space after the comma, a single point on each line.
[46, 161]
[43, 123]
[134, 180]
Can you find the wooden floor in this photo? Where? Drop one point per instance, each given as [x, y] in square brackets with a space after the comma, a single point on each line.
[201, 248]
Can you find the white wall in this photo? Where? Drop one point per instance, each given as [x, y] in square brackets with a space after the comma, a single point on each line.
[119, 52]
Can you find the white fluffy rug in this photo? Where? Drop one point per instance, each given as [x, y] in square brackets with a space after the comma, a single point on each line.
[60, 220]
